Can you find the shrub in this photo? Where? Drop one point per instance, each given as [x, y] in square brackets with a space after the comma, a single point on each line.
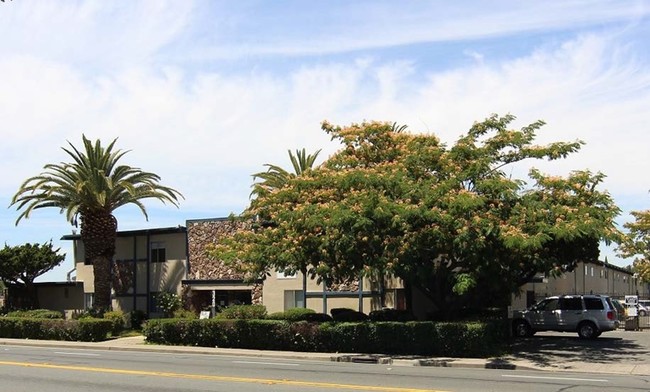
[351, 315]
[293, 314]
[336, 311]
[168, 302]
[317, 317]
[87, 330]
[137, 318]
[242, 312]
[388, 314]
[414, 338]
[276, 316]
[37, 313]
[184, 314]
[118, 318]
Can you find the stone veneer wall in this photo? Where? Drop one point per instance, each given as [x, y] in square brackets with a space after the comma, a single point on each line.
[204, 232]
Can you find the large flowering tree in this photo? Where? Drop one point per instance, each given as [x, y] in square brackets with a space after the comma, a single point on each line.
[637, 243]
[449, 221]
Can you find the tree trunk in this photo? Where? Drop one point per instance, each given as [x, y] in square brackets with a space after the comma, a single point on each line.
[31, 295]
[98, 233]
[102, 281]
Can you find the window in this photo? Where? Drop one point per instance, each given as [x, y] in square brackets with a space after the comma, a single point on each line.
[594, 304]
[601, 273]
[158, 252]
[293, 299]
[572, 303]
[592, 271]
[586, 269]
[549, 305]
[89, 300]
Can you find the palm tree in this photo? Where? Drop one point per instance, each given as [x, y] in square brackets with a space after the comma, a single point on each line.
[275, 177]
[89, 189]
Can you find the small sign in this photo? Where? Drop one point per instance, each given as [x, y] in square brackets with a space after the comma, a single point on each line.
[204, 315]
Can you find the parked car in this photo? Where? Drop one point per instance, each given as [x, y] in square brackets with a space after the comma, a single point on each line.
[588, 315]
[645, 303]
[619, 305]
[641, 310]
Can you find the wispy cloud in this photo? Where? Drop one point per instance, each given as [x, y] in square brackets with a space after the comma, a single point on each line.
[133, 71]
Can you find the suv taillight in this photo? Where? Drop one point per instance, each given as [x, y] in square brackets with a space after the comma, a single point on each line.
[611, 315]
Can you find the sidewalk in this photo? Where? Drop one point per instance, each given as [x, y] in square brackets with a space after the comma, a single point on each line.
[137, 343]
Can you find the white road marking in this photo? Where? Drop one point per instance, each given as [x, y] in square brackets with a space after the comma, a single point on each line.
[83, 354]
[556, 378]
[266, 363]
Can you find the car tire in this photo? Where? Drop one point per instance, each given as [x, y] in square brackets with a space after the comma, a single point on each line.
[587, 330]
[642, 313]
[521, 329]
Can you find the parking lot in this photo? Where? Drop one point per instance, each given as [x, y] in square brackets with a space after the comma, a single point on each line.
[565, 350]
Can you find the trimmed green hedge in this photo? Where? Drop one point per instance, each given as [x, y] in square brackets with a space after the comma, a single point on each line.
[240, 312]
[410, 338]
[85, 330]
[37, 313]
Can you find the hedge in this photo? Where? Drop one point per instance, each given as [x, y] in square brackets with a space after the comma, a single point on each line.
[37, 313]
[85, 330]
[410, 338]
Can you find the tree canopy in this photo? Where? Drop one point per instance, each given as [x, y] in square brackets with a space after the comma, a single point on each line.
[637, 243]
[23, 264]
[448, 221]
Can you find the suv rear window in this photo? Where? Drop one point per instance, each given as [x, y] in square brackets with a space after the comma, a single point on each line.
[594, 304]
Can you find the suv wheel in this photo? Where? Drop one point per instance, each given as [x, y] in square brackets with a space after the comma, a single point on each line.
[521, 329]
[587, 330]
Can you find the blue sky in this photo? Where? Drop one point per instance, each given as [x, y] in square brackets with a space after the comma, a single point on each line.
[206, 92]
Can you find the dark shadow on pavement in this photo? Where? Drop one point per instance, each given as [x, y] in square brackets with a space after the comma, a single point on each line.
[563, 350]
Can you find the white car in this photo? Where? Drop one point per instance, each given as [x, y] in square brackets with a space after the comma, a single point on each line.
[641, 310]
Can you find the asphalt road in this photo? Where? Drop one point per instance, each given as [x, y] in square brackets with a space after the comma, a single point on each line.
[55, 369]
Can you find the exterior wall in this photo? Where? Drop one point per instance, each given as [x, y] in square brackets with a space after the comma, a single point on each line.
[135, 278]
[275, 286]
[270, 293]
[587, 278]
[63, 297]
[201, 234]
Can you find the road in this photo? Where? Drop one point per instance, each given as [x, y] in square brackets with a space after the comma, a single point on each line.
[55, 369]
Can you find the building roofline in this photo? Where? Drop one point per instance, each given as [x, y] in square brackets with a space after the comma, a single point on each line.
[207, 282]
[221, 219]
[131, 233]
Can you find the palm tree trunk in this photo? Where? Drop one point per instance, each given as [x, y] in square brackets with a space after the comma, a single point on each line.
[98, 233]
[102, 282]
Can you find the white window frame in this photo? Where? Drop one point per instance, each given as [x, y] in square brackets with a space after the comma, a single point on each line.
[293, 299]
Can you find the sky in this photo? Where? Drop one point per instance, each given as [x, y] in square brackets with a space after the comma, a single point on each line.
[204, 93]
